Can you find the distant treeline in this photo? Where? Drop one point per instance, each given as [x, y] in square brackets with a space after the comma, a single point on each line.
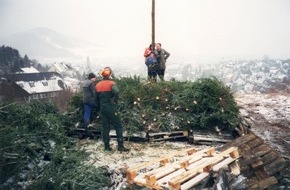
[11, 61]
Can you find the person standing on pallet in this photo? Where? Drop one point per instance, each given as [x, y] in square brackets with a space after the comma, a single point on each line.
[106, 99]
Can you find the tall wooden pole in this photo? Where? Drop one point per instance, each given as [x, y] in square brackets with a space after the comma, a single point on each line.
[153, 23]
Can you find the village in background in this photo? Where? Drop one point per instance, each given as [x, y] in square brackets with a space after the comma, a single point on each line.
[32, 80]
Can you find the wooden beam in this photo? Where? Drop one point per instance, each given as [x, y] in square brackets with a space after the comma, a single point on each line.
[235, 167]
[261, 150]
[276, 166]
[255, 142]
[223, 163]
[265, 183]
[270, 157]
[239, 141]
[192, 182]
[164, 181]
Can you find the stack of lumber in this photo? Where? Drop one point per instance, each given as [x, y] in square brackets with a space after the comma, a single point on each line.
[183, 169]
[259, 162]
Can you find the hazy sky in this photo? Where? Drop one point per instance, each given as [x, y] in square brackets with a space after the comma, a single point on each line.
[193, 28]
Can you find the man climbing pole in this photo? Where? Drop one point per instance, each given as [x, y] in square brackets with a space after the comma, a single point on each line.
[106, 99]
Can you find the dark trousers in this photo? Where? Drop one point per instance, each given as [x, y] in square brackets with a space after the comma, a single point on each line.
[110, 116]
[152, 75]
[160, 73]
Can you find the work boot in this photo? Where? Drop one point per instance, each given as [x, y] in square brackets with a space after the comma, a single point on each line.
[107, 147]
[121, 147]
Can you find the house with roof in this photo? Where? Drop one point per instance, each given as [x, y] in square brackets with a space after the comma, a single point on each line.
[31, 86]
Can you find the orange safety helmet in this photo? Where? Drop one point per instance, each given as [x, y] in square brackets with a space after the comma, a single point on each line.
[106, 72]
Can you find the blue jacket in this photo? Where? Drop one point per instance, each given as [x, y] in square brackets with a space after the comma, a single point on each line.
[151, 63]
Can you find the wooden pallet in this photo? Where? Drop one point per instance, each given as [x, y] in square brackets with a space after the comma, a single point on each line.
[164, 136]
[182, 169]
[207, 138]
[258, 162]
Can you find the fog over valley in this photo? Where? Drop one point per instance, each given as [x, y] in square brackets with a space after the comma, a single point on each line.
[117, 32]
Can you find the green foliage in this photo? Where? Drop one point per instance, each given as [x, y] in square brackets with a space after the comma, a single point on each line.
[167, 106]
[11, 61]
[35, 152]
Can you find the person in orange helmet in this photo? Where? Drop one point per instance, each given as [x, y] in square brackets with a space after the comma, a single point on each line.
[107, 102]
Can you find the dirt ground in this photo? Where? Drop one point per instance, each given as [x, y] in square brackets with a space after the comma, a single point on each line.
[269, 116]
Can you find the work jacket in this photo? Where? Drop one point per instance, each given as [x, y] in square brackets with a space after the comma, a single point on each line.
[162, 56]
[107, 94]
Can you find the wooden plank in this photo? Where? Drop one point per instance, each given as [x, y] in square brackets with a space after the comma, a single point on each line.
[143, 165]
[265, 183]
[276, 166]
[167, 138]
[261, 174]
[223, 163]
[210, 139]
[235, 167]
[184, 162]
[164, 181]
[140, 181]
[270, 157]
[257, 165]
[239, 141]
[249, 161]
[192, 182]
[261, 150]
[202, 165]
[255, 142]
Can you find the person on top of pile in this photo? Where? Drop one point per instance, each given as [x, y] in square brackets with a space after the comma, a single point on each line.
[152, 67]
[161, 55]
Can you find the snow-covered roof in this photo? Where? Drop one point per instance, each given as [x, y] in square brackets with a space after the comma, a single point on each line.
[34, 83]
[29, 70]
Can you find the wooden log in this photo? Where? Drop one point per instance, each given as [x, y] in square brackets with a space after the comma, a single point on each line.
[261, 150]
[192, 182]
[276, 166]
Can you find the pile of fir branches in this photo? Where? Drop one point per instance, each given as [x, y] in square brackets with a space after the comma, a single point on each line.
[35, 152]
[173, 105]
